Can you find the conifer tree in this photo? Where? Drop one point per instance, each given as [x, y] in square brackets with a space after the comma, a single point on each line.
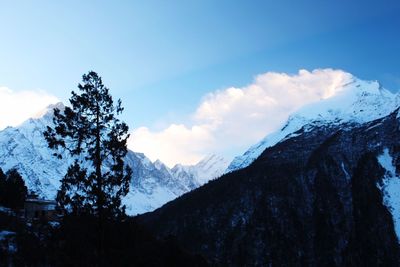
[12, 189]
[92, 134]
[2, 187]
[16, 189]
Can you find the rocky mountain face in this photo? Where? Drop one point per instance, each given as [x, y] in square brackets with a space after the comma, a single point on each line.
[152, 184]
[323, 193]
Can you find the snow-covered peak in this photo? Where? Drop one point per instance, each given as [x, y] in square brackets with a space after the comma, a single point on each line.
[210, 167]
[158, 164]
[357, 101]
[49, 110]
[24, 148]
[180, 168]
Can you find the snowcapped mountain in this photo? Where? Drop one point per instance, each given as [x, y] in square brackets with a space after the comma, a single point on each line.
[25, 149]
[210, 167]
[356, 102]
[152, 185]
[325, 191]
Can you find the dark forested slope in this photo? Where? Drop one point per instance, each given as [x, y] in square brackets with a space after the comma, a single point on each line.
[316, 199]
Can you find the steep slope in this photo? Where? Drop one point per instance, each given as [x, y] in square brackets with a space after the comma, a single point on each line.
[324, 196]
[25, 149]
[210, 167]
[356, 102]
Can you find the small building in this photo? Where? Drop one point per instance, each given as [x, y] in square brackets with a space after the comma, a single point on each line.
[39, 209]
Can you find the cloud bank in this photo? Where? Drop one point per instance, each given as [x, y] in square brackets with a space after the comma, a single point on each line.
[229, 121]
[17, 106]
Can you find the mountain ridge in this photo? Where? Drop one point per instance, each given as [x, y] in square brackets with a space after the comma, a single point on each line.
[322, 197]
[24, 148]
[357, 101]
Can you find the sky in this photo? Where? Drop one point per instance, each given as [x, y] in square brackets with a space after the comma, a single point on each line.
[186, 70]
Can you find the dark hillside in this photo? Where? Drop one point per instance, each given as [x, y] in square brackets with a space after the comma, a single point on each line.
[310, 200]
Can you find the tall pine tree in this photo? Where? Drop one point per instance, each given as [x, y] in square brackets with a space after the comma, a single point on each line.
[91, 133]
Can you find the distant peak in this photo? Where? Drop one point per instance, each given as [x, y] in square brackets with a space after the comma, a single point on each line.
[59, 105]
[49, 110]
[373, 87]
[178, 167]
[210, 158]
[158, 163]
[356, 101]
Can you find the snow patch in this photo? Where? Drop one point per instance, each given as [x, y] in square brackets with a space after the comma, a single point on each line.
[138, 202]
[345, 172]
[390, 188]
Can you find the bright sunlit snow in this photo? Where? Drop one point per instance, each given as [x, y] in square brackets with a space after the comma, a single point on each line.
[358, 101]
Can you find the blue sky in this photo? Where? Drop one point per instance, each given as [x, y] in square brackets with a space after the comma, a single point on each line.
[162, 57]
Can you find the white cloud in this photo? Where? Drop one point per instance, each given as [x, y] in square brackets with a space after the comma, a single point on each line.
[228, 121]
[177, 143]
[17, 106]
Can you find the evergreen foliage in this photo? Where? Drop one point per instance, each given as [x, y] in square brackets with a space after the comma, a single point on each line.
[73, 243]
[90, 132]
[12, 189]
[2, 186]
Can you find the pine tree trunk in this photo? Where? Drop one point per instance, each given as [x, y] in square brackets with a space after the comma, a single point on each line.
[100, 200]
